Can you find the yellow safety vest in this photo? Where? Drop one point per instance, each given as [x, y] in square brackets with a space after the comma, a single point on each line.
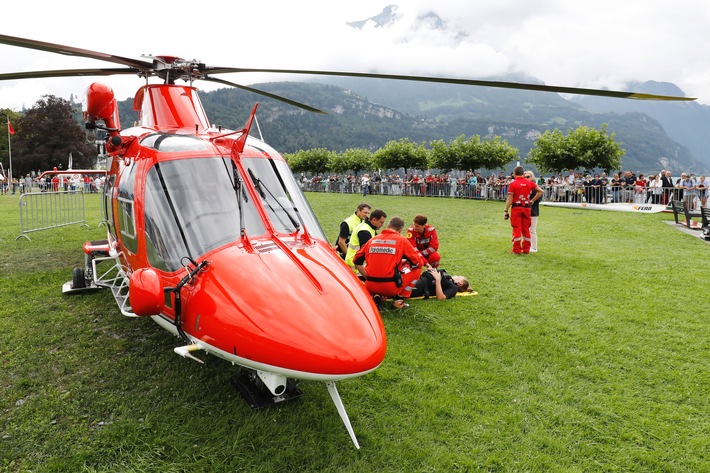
[354, 244]
[352, 222]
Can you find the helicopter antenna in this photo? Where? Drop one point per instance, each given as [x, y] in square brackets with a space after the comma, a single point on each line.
[258, 128]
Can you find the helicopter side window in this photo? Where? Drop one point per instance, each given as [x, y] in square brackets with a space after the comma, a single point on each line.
[192, 207]
[126, 217]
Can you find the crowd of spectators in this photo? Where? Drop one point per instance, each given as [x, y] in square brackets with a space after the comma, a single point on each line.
[571, 186]
[52, 183]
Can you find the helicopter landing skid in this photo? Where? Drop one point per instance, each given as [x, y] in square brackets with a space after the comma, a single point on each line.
[257, 395]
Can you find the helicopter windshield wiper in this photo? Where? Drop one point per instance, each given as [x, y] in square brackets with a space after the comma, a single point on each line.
[240, 193]
[261, 187]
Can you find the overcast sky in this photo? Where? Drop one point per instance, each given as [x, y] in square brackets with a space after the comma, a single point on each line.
[600, 44]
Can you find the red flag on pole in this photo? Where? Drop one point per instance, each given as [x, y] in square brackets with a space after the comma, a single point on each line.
[10, 129]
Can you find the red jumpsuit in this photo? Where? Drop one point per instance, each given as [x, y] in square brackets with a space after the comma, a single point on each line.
[521, 189]
[427, 243]
[384, 254]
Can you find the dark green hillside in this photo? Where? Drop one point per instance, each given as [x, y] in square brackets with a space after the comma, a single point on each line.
[428, 113]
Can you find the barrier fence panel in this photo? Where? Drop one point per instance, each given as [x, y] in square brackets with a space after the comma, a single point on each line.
[45, 210]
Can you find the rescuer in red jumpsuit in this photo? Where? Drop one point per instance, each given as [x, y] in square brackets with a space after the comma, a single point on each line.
[423, 237]
[519, 192]
[380, 261]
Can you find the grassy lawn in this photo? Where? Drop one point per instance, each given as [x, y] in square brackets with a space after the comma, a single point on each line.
[591, 355]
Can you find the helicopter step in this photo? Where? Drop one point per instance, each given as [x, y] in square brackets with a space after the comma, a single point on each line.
[113, 278]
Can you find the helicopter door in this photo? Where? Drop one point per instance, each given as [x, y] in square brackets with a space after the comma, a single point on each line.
[107, 204]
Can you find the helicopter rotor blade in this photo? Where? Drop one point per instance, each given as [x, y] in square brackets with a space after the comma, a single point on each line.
[266, 94]
[72, 51]
[145, 68]
[67, 73]
[480, 83]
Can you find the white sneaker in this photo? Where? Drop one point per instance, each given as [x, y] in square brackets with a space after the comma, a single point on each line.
[533, 251]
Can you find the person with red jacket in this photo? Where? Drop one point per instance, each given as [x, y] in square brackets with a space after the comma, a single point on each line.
[519, 198]
[423, 237]
[390, 264]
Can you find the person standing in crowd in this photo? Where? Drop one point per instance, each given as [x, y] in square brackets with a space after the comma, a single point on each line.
[390, 265]
[655, 186]
[424, 238]
[348, 225]
[629, 183]
[365, 184]
[687, 186]
[362, 233]
[703, 187]
[640, 189]
[534, 214]
[604, 186]
[616, 188]
[667, 185]
[597, 188]
[519, 200]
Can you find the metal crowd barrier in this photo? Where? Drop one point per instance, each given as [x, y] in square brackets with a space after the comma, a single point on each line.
[45, 210]
[486, 191]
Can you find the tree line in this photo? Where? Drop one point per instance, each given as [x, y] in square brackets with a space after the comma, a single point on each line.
[554, 151]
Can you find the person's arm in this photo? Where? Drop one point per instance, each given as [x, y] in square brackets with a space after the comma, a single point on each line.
[359, 261]
[537, 196]
[413, 255]
[437, 284]
[343, 236]
[433, 242]
[508, 204]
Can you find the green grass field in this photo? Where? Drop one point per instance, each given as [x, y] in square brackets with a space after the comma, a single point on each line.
[591, 355]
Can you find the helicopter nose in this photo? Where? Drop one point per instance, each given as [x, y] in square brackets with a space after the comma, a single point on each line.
[301, 311]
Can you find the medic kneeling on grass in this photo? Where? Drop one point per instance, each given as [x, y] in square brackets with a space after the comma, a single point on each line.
[390, 265]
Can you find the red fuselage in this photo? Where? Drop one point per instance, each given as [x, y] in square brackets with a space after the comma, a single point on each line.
[274, 296]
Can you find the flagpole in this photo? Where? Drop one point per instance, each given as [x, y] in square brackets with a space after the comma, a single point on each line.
[9, 152]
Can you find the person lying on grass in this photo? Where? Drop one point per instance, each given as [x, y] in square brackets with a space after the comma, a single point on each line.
[439, 284]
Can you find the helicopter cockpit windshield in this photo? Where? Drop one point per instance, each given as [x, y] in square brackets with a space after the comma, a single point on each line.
[285, 204]
[193, 206]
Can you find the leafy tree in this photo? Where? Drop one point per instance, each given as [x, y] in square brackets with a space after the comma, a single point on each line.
[401, 154]
[315, 161]
[551, 153]
[473, 153]
[495, 154]
[46, 135]
[596, 149]
[352, 159]
[583, 148]
[443, 156]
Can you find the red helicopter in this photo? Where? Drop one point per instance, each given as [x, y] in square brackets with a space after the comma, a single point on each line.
[210, 235]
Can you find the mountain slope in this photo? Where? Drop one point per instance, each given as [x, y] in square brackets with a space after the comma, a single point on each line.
[685, 122]
[355, 121]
